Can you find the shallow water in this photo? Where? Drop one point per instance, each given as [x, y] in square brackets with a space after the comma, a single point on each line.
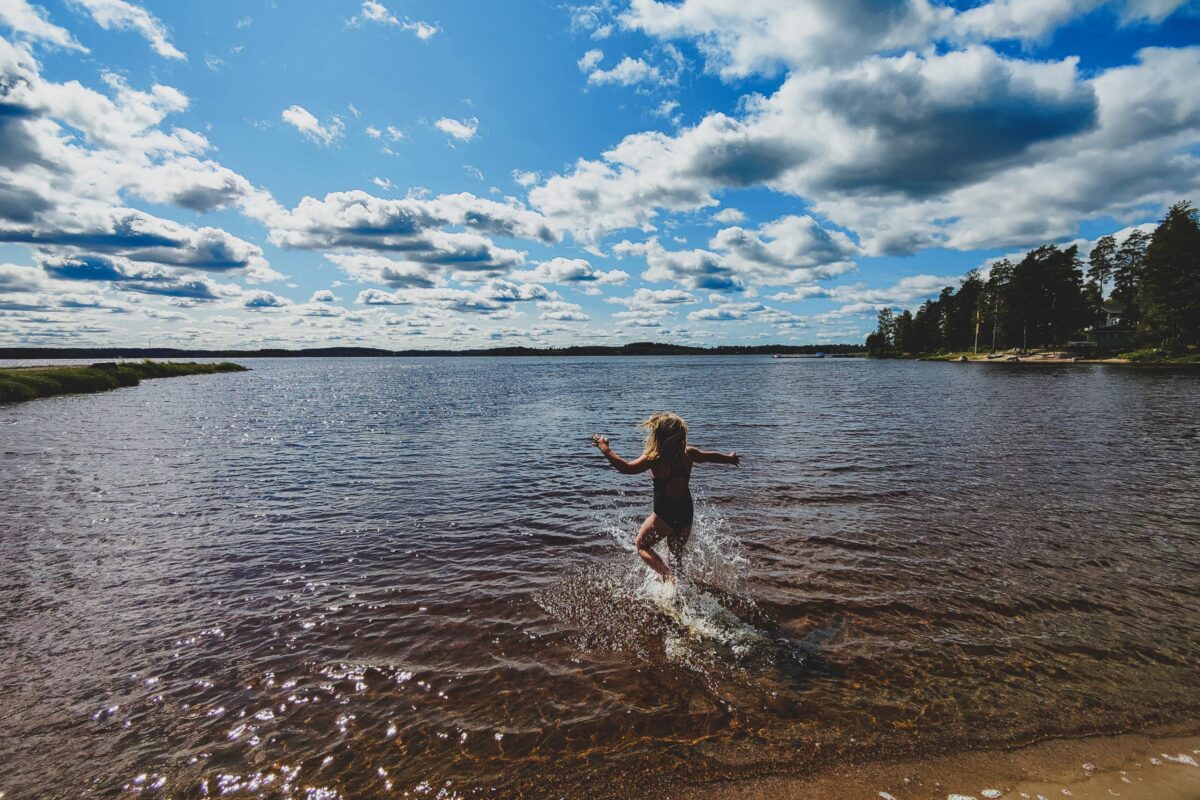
[357, 578]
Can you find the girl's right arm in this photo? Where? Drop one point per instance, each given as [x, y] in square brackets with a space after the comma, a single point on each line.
[639, 464]
[713, 457]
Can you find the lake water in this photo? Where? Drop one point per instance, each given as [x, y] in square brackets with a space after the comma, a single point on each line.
[359, 578]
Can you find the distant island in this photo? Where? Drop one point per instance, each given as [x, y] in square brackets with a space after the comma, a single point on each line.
[632, 349]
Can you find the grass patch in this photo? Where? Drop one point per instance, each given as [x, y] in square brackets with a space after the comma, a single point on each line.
[1154, 356]
[30, 383]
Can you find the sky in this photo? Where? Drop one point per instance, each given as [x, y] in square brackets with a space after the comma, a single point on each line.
[428, 175]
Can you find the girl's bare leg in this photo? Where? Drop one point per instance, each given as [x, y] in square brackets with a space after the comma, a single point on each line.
[651, 533]
[676, 541]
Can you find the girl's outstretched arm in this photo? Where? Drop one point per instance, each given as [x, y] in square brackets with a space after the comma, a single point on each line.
[639, 464]
[713, 457]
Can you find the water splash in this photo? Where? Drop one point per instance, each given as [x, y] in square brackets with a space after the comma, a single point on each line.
[699, 622]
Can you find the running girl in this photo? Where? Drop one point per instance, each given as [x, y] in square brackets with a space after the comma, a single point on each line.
[669, 458]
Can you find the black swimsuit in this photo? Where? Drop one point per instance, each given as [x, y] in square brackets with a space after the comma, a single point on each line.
[676, 511]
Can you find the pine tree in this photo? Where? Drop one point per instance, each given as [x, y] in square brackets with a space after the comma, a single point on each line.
[1102, 261]
[1127, 268]
[1168, 293]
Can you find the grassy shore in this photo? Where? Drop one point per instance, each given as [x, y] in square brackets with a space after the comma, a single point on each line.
[30, 383]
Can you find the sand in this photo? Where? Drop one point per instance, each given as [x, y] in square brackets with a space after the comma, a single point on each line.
[1131, 767]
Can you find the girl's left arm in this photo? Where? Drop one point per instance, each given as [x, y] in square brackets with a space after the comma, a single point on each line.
[638, 465]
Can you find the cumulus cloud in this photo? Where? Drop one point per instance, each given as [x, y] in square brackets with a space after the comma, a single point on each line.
[410, 225]
[462, 130]
[745, 37]
[748, 312]
[492, 298]
[30, 22]
[627, 72]
[590, 60]
[740, 37]
[125, 16]
[729, 215]
[791, 249]
[126, 275]
[303, 120]
[572, 271]
[562, 311]
[261, 299]
[963, 149]
[525, 179]
[367, 268]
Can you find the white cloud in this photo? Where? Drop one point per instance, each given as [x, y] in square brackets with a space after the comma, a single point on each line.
[323, 296]
[740, 37]
[666, 110]
[394, 133]
[463, 130]
[383, 183]
[30, 22]
[424, 30]
[915, 151]
[373, 11]
[304, 121]
[125, 16]
[589, 60]
[906, 290]
[562, 311]
[525, 179]
[791, 249]
[627, 72]
[493, 298]
[474, 172]
[729, 215]
[745, 37]
[359, 220]
[572, 271]
[261, 300]
[374, 132]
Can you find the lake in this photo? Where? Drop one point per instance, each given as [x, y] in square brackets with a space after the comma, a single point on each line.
[364, 577]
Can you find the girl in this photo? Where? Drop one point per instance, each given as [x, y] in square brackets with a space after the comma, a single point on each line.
[669, 458]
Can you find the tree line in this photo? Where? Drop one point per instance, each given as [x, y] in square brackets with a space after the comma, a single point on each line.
[1048, 298]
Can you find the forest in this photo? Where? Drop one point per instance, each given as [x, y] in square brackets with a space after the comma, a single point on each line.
[1052, 298]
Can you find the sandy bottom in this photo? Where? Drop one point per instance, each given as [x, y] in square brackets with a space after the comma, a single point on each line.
[1130, 767]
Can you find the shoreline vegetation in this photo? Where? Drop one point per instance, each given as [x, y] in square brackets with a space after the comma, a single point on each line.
[631, 349]
[1138, 302]
[31, 383]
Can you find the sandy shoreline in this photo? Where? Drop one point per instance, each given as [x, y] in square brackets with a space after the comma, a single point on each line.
[1133, 767]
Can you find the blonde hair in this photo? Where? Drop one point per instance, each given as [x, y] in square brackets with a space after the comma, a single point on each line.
[666, 437]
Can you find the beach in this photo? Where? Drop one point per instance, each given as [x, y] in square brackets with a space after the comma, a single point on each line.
[1134, 767]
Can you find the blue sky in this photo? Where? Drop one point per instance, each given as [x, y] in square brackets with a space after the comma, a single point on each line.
[427, 175]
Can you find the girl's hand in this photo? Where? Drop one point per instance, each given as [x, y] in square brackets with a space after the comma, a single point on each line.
[599, 441]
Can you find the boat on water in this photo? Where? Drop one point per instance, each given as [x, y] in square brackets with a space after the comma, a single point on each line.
[799, 355]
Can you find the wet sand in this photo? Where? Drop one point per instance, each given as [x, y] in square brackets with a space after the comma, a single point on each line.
[1133, 767]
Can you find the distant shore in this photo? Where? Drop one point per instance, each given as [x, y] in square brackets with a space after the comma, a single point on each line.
[631, 349]
[1161, 766]
[31, 383]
